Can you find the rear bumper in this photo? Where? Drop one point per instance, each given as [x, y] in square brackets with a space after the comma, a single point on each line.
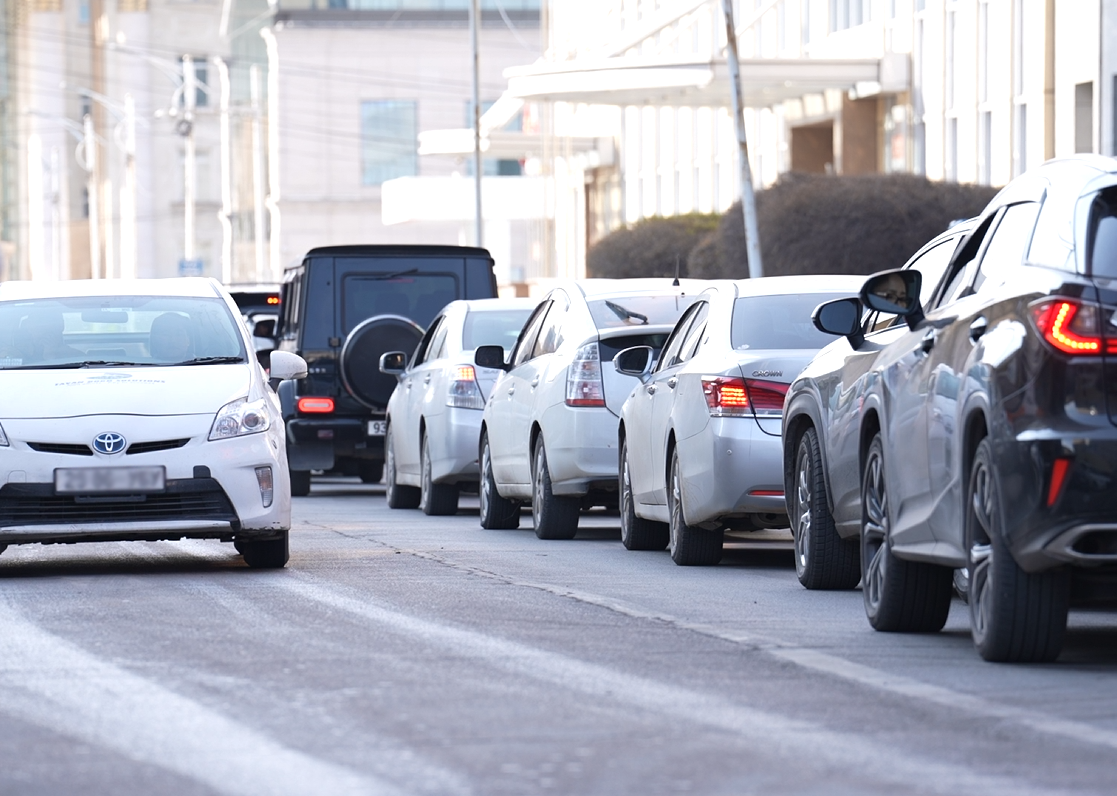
[315, 443]
[454, 437]
[581, 447]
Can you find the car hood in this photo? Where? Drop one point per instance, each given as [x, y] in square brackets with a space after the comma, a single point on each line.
[154, 391]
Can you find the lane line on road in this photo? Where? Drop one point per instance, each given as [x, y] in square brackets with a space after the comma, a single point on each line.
[55, 684]
[787, 737]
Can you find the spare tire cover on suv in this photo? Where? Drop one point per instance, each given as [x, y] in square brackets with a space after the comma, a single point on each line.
[360, 356]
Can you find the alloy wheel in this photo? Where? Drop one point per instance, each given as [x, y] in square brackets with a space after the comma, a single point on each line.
[803, 511]
[874, 531]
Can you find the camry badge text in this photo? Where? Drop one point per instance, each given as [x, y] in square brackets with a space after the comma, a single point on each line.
[109, 442]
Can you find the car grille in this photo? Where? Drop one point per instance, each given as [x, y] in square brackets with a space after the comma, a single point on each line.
[160, 445]
[60, 447]
[184, 499]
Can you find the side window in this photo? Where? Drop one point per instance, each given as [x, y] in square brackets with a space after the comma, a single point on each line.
[1006, 248]
[1102, 243]
[697, 331]
[426, 345]
[550, 336]
[931, 265]
[522, 352]
[670, 356]
[958, 275]
[438, 342]
[291, 302]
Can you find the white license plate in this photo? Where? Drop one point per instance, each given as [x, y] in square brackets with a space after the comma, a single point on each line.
[377, 428]
[86, 480]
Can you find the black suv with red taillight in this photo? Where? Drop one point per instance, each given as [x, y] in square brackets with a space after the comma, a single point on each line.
[342, 307]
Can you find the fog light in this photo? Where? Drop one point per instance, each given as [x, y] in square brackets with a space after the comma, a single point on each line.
[264, 479]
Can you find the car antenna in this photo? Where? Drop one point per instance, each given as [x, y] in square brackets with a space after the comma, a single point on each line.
[676, 282]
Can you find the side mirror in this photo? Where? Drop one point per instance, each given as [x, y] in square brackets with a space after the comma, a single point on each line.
[636, 361]
[394, 363]
[895, 292]
[284, 366]
[841, 317]
[264, 328]
[490, 356]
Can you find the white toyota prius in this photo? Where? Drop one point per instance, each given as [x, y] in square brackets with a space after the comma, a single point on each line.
[136, 410]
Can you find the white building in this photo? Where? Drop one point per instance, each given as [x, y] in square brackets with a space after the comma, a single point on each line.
[967, 90]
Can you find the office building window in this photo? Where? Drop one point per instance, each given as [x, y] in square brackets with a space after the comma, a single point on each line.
[1084, 117]
[389, 137]
[985, 147]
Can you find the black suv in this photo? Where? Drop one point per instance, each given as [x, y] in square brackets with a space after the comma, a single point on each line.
[343, 307]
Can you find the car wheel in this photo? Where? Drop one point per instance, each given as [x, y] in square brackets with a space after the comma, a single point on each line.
[497, 513]
[900, 596]
[637, 533]
[435, 499]
[397, 495]
[370, 472]
[555, 517]
[1014, 615]
[823, 560]
[300, 483]
[689, 545]
[266, 553]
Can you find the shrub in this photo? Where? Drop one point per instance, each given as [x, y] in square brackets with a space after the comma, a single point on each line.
[650, 247]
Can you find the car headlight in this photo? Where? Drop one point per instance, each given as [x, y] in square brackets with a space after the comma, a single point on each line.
[239, 418]
[3, 438]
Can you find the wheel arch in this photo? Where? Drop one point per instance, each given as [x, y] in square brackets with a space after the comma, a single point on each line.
[804, 415]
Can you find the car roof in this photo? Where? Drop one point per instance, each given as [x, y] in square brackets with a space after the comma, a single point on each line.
[493, 304]
[385, 250]
[597, 288]
[196, 286]
[799, 284]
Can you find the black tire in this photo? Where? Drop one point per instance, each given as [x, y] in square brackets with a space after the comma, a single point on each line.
[300, 483]
[266, 553]
[435, 499]
[637, 533]
[497, 513]
[823, 559]
[900, 596]
[689, 545]
[397, 495]
[370, 471]
[555, 517]
[1015, 616]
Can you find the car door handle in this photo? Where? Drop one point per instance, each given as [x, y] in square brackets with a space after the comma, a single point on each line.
[671, 382]
[511, 390]
[650, 389]
[427, 380]
[978, 328]
[535, 382]
[928, 341]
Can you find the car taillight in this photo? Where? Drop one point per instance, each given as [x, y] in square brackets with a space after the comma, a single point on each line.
[1072, 326]
[728, 396]
[464, 392]
[316, 405]
[583, 380]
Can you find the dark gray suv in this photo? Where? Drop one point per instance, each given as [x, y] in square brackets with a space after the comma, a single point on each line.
[342, 307]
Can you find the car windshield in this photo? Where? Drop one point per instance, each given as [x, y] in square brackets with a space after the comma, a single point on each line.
[622, 311]
[494, 327]
[773, 322]
[111, 331]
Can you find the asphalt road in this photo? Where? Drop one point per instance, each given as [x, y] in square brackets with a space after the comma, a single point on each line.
[404, 654]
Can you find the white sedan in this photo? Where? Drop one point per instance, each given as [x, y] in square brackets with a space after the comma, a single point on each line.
[434, 414]
[136, 410]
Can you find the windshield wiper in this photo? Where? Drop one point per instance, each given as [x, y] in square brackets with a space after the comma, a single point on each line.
[106, 363]
[626, 314]
[208, 361]
[408, 272]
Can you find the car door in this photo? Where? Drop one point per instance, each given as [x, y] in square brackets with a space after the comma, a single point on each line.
[955, 348]
[431, 380]
[509, 412]
[405, 421]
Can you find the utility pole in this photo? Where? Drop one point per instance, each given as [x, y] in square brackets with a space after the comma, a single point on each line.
[272, 202]
[186, 126]
[748, 200]
[226, 212]
[474, 24]
[257, 175]
[88, 161]
[128, 227]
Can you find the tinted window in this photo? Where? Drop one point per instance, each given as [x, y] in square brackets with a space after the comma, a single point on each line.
[415, 296]
[1005, 251]
[423, 352]
[633, 310]
[696, 333]
[762, 322]
[529, 333]
[1103, 236]
[493, 327]
[670, 356]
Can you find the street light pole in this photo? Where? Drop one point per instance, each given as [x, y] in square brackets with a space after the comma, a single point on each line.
[748, 200]
[128, 225]
[189, 97]
[474, 24]
[88, 149]
[257, 175]
[224, 216]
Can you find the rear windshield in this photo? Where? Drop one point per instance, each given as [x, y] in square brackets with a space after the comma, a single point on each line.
[1103, 236]
[117, 330]
[767, 322]
[417, 297]
[494, 327]
[637, 311]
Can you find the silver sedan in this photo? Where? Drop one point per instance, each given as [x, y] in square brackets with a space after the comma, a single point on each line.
[699, 443]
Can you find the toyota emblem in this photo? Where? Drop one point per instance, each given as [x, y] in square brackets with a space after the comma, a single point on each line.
[109, 442]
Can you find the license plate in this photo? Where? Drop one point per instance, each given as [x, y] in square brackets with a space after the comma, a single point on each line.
[87, 480]
[377, 428]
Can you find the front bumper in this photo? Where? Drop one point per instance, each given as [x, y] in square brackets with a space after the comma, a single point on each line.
[725, 464]
[212, 489]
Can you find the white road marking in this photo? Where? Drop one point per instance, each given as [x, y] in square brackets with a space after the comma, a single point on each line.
[55, 684]
[762, 730]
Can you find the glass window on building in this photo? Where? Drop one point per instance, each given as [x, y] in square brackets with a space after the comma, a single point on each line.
[389, 140]
[494, 167]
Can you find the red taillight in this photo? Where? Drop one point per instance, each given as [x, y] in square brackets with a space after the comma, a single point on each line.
[731, 396]
[584, 386]
[1071, 326]
[273, 300]
[316, 405]
[767, 492]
